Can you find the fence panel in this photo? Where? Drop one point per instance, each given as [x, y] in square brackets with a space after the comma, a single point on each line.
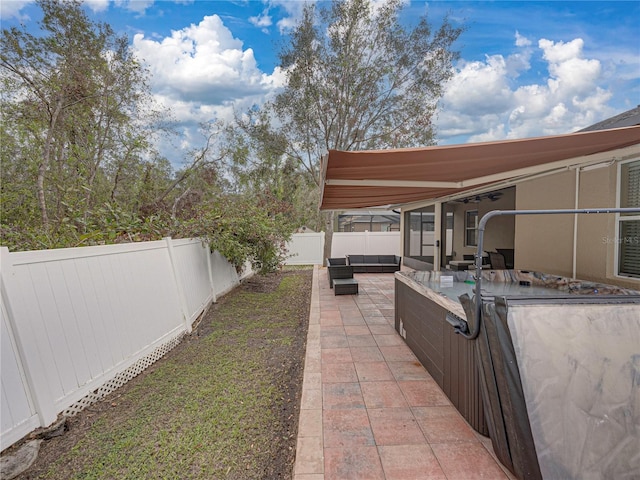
[365, 243]
[18, 415]
[79, 320]
[192, 270]
[225, 277]
[115, 303]
[306, 249]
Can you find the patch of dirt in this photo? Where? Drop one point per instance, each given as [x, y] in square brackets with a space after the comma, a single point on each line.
[263, 283]
[287, 362]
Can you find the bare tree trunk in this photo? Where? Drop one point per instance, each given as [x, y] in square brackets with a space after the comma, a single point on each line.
[44, 165]
[174, 208]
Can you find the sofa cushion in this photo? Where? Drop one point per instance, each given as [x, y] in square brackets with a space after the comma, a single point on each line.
[387, 259]
[371, 259]
[356, 258]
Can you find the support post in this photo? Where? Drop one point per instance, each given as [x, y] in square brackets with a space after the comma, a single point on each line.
[179, 288]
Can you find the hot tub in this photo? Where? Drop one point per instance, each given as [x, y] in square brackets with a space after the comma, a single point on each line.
[554, 376]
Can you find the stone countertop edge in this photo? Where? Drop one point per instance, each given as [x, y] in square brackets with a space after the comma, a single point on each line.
[445, 302]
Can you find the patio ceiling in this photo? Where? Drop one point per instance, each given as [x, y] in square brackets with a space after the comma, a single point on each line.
[361, 179]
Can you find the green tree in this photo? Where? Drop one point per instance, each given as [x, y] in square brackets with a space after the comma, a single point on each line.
[243, 229]
[256, 165]
[80, 113]
[356, 79]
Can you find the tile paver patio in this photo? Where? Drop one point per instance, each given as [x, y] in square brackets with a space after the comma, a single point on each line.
[369, 410]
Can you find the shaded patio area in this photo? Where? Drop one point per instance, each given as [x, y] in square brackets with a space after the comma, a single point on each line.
[369, 409]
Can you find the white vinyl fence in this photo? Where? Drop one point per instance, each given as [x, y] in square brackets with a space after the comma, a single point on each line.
[308, 248]
[305, 249]
[79, 322]
[365, 243]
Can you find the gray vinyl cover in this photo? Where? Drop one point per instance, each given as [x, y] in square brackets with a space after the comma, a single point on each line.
[504, 405]
[565, 391]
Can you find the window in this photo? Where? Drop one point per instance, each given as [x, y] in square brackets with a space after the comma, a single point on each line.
[471, 228]
[628, 238]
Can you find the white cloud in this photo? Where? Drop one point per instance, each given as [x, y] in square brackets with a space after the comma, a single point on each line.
[203, 63]
[97, 5]
[484, 102]
[202, 73]
[480, 87]
[138, 6]
[11, 9]
[522, 41]
[262, 21]
[293, 10]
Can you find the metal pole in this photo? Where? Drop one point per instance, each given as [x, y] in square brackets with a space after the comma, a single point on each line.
[478, 257]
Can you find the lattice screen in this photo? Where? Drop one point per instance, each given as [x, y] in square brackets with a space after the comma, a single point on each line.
[123, 377]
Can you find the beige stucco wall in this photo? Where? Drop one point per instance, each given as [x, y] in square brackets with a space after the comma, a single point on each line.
[544, 243]
[596, 249]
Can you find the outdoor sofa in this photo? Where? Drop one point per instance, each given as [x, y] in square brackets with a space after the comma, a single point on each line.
[374, 263]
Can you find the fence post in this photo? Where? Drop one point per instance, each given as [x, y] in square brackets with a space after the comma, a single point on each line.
[207, 252]
[37, 386]
[179, 288]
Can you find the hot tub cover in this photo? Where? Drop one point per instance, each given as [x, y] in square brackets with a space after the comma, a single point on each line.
[561, 384]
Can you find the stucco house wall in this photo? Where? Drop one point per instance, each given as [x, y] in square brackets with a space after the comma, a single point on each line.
[545, 242]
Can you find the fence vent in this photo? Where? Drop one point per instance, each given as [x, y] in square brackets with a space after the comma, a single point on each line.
[123, 377]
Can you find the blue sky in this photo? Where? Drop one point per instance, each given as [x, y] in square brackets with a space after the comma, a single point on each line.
[527, 68]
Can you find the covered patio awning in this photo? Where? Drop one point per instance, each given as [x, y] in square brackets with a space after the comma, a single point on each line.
[361, 179]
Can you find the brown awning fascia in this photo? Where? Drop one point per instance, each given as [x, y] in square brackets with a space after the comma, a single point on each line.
[359, 179]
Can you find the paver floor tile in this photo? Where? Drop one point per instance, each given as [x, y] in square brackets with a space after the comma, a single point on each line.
[336, 355]
[356, 330]
[467, 461]
[309, 455]
[356, 463]
[312, 380]
[339, 373]
[408, 370]
[395, 426]
[399, 353]
[375, 320]
[337, 396]
[361, 340]
[443, 425]
[423, 393]
[310, 423]
[346, 428]
[382, 330]
[334, 341]
[366, 354]
[329, 314]
[373, 372]
[388, 340]
[382, 395]
[311, 398]
[331, 330]
[356, 320]
[410, 462]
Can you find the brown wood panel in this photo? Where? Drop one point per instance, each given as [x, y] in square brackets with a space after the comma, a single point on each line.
[449, 358]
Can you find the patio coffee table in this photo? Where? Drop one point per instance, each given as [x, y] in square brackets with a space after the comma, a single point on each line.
[345, 286]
